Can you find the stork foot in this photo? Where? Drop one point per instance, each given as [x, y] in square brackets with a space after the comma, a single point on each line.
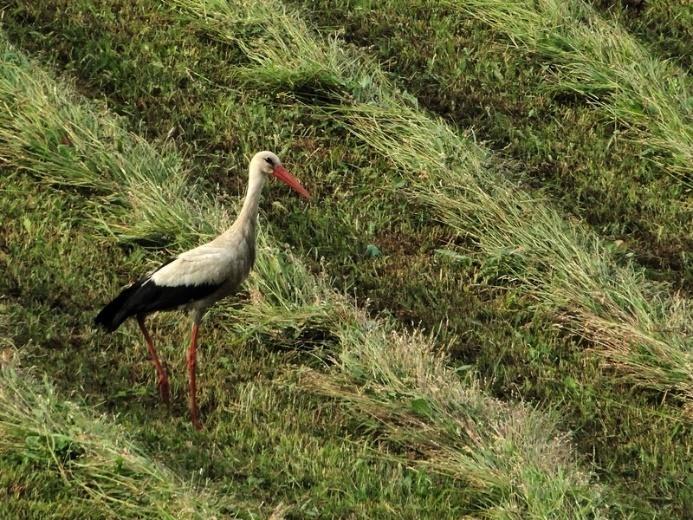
[192, 386]
[164, 389]
[192, 403]
[162, 375]
[195, 419]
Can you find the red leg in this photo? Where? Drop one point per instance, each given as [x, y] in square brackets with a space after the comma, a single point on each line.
[162, 377]
[192, 365]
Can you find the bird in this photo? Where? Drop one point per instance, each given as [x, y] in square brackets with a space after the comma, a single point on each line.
[197, 279]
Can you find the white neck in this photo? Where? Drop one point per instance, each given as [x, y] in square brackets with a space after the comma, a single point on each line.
[247, 217]
[252, 197]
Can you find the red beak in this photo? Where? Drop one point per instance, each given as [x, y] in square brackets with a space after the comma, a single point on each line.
[284, 176]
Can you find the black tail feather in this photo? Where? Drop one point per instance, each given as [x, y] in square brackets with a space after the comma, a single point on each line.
[116, 312]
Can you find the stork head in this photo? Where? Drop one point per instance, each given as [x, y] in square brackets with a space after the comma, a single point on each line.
[268, 164]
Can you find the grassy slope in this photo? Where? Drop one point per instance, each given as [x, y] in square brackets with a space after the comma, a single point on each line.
[366, 422]
[634, 293]
[646, 97]
[459, 67]
[44, 437]
[209, 118]
[557, 262]
[664, 25]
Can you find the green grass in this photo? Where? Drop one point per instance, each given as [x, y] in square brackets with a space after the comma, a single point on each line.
[566, 145]
[603, 63]
[103, 474]
[312, 408]
[558, 263]
[208, 95]
[666, 26]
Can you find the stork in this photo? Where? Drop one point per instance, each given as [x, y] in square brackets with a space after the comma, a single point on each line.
[198, 278]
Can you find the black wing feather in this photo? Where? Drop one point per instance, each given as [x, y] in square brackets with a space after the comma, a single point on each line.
[144, 296]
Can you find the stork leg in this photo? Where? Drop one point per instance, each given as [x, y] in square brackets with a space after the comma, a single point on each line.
[162, 377]
[192, 365]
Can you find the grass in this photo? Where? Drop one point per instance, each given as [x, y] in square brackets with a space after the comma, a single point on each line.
[103, 473]
[449, 175]
[602, 62]
[663, 26]
[177, 80]
[301, 432]
[564, 144]
[559, 265]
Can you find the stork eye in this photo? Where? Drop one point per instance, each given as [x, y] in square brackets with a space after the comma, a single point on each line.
[268, 160]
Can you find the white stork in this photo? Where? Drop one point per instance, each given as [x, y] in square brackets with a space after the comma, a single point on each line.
[198, 278]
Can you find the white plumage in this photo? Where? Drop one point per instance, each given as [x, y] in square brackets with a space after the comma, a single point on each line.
[206, 264]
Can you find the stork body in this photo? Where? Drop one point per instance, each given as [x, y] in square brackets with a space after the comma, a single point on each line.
[198, 278]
